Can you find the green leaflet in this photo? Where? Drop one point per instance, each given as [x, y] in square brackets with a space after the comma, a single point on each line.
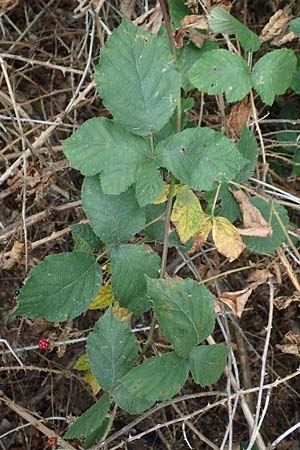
[247, 147]
[137, 79]
[185, 311]
[149, 183]
[295, 84]
[112, 350]
[219, 71]
[61, 287]
[113, 218]
[294, 26]
[90, 420]
[85, 232]
[273, 74]
[130, 402]
[129, 265]
[207, 363]
[268, 244]
[158, 378]
[199, 157]
[178, 10]
[220, 21]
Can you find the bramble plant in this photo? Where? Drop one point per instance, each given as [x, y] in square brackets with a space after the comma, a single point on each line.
[145, 169]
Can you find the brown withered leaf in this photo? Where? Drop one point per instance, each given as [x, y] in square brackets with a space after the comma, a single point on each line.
[291, 344]
[238, 117]
[282, 40]
[237, 300]
[195, 21]
[150, 21]
[127, 7]
[178, 37]
[276, 25]
[254, 223]
[8, 5]
[197, 38]
[227, 239]
[284, 301]
[16, 256]
[193, 5]
[224, 4]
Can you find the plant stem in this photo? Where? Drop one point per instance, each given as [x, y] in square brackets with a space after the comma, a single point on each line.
[168, 27]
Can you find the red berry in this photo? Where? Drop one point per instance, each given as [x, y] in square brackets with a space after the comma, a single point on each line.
[52, 442]
[43, 345]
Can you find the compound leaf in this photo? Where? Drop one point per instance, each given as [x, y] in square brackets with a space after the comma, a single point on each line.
[207, 363]
[220, 21]
[269, 244]
[129, 264]
[199, 157]
[112, 350]
[185, 311]
[187, 214]
[219, 71]
[113, 218]
[158, 378]
[61, 287]
[90, 420]
[137, 79]
[273, 74]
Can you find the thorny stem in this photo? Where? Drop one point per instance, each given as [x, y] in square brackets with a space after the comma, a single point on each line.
[172, 182]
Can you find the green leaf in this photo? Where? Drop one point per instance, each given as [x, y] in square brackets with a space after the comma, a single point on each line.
[199, 157]
[113, 218]
[61, 287]
[207, 363]
[295, 84]
[82, 363]
[268, 244]
[129, 264]
[86, 233]
[101, 146]
[220, 21]
[149, 183]
[158, 378]
[178, 10]
[188, 55]
[137, 79]
[112, 350]
[97, 434]
[228, 207]
[156, 231]
[294, 26]
[273, 74]
[247, 146]
[90, 420]
[220, 71]
[185, 311]
[129, 402]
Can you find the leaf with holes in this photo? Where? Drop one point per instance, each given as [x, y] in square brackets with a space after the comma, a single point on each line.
[137, 79]
[199, 157]
[273, 74]
[185, 311]
[61, 287]
[220, 71]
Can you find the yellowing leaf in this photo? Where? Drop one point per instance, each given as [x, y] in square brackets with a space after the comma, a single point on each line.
[164, 195]
[104, 298]
[92, 382]
[187, 214]
[123, 314]
[227, 238]
[82, 363]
